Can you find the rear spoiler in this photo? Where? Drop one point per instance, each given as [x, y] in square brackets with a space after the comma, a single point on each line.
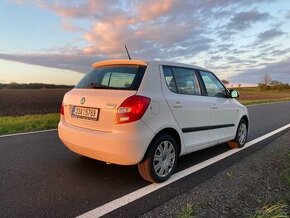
[119, 62]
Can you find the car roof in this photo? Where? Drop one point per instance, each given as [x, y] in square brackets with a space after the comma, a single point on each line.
[143, 63]
[176, 64]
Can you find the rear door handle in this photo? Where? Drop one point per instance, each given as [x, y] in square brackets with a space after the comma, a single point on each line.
[177, 105]
[214, 106]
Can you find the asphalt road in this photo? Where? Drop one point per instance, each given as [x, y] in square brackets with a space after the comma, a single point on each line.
[39, 177]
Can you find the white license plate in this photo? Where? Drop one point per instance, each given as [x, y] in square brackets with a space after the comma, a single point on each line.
[85, 113]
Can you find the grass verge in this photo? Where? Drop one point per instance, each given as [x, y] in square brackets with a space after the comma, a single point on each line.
[27, 123]
[278, 210]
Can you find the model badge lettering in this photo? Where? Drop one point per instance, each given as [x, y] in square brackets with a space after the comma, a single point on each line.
[111, 105]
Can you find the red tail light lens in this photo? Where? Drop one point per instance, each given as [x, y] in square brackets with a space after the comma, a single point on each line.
[61, 110]
[132, 109]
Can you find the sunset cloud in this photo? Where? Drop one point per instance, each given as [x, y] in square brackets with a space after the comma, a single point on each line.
[226, 36]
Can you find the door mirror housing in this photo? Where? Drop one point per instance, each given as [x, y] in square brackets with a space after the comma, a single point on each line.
[234, 93]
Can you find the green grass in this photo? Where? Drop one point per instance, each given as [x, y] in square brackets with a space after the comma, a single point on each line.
[187, 212]
[278, 210]
[28, 123]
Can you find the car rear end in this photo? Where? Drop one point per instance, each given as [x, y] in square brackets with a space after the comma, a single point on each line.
[101, 116]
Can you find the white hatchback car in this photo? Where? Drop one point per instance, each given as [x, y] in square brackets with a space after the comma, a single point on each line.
[149, 113]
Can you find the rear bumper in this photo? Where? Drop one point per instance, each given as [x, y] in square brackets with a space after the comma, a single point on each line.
[125, 145]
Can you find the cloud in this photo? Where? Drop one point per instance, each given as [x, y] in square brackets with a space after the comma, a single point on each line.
[80, 63]
[183, 30]
[244, 20]
[287, 14]
[151, 9]
[68, 25]
[70, 8]
[146, 23]
[269, 35]
[278, 71]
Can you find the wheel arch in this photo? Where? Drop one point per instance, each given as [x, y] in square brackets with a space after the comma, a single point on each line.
[169, 131]
[246, 118]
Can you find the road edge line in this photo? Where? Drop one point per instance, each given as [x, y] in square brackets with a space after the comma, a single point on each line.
[27, 133]
[135, 195]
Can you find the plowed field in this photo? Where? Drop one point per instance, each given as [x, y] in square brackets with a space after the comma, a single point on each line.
[17, 102]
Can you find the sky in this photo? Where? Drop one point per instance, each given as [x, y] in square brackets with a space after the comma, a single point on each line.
[53, 41]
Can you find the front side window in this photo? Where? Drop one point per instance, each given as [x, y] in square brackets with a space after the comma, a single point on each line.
[182, 80]
[213, 86]
[113, 77]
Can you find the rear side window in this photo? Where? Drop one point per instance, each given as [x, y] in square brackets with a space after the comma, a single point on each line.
[124, 77]
[181, 80]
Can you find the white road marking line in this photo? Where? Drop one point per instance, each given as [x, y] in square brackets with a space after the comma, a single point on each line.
[27, 133]
[133, 196]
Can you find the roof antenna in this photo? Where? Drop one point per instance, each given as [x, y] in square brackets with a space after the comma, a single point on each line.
[127, 52]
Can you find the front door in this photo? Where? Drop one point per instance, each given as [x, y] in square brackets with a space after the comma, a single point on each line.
[224, 112]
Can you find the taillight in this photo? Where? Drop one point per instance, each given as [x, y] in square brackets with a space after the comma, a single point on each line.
[61, 110]
[132, 109]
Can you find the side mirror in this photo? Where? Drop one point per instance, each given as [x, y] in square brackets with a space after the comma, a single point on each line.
[234, 93]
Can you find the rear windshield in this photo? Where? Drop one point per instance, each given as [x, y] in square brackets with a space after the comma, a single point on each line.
[127, 77]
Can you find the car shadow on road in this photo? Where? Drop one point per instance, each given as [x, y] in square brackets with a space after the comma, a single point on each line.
[200, 156]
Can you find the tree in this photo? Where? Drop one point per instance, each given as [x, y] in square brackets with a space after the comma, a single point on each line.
[225, 82]
[266, 79]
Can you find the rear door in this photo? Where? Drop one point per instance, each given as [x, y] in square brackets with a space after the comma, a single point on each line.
[93, 103]
[190, 109]
[224, 111]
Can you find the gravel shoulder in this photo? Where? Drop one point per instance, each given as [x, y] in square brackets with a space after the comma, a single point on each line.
[240, 190]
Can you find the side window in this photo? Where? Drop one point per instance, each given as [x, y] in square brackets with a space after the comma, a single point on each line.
[186, 81]
[169, 79]
[213, 86]
[181, 80]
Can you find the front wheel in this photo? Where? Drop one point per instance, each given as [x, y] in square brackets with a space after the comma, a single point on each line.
[241, 135]
[160, 160]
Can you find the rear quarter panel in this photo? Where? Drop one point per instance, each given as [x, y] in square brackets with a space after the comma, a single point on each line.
[158, 116]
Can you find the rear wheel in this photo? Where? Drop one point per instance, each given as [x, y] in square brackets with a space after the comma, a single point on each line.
[241, 135]
[160, 160]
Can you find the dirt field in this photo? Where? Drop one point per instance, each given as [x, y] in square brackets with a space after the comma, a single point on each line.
[17, 102]
[255, 95]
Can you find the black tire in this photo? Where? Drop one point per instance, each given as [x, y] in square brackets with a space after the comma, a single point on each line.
[146, 167]
[238, 142]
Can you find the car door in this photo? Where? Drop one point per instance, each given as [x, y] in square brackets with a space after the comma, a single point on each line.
[224, 111]
[190, 109]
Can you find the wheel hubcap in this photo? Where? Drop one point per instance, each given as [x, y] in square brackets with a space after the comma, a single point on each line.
[242, 134]
[164, 158]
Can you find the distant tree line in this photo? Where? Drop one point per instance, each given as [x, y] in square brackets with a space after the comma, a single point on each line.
[15, 85]
[268, 84]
